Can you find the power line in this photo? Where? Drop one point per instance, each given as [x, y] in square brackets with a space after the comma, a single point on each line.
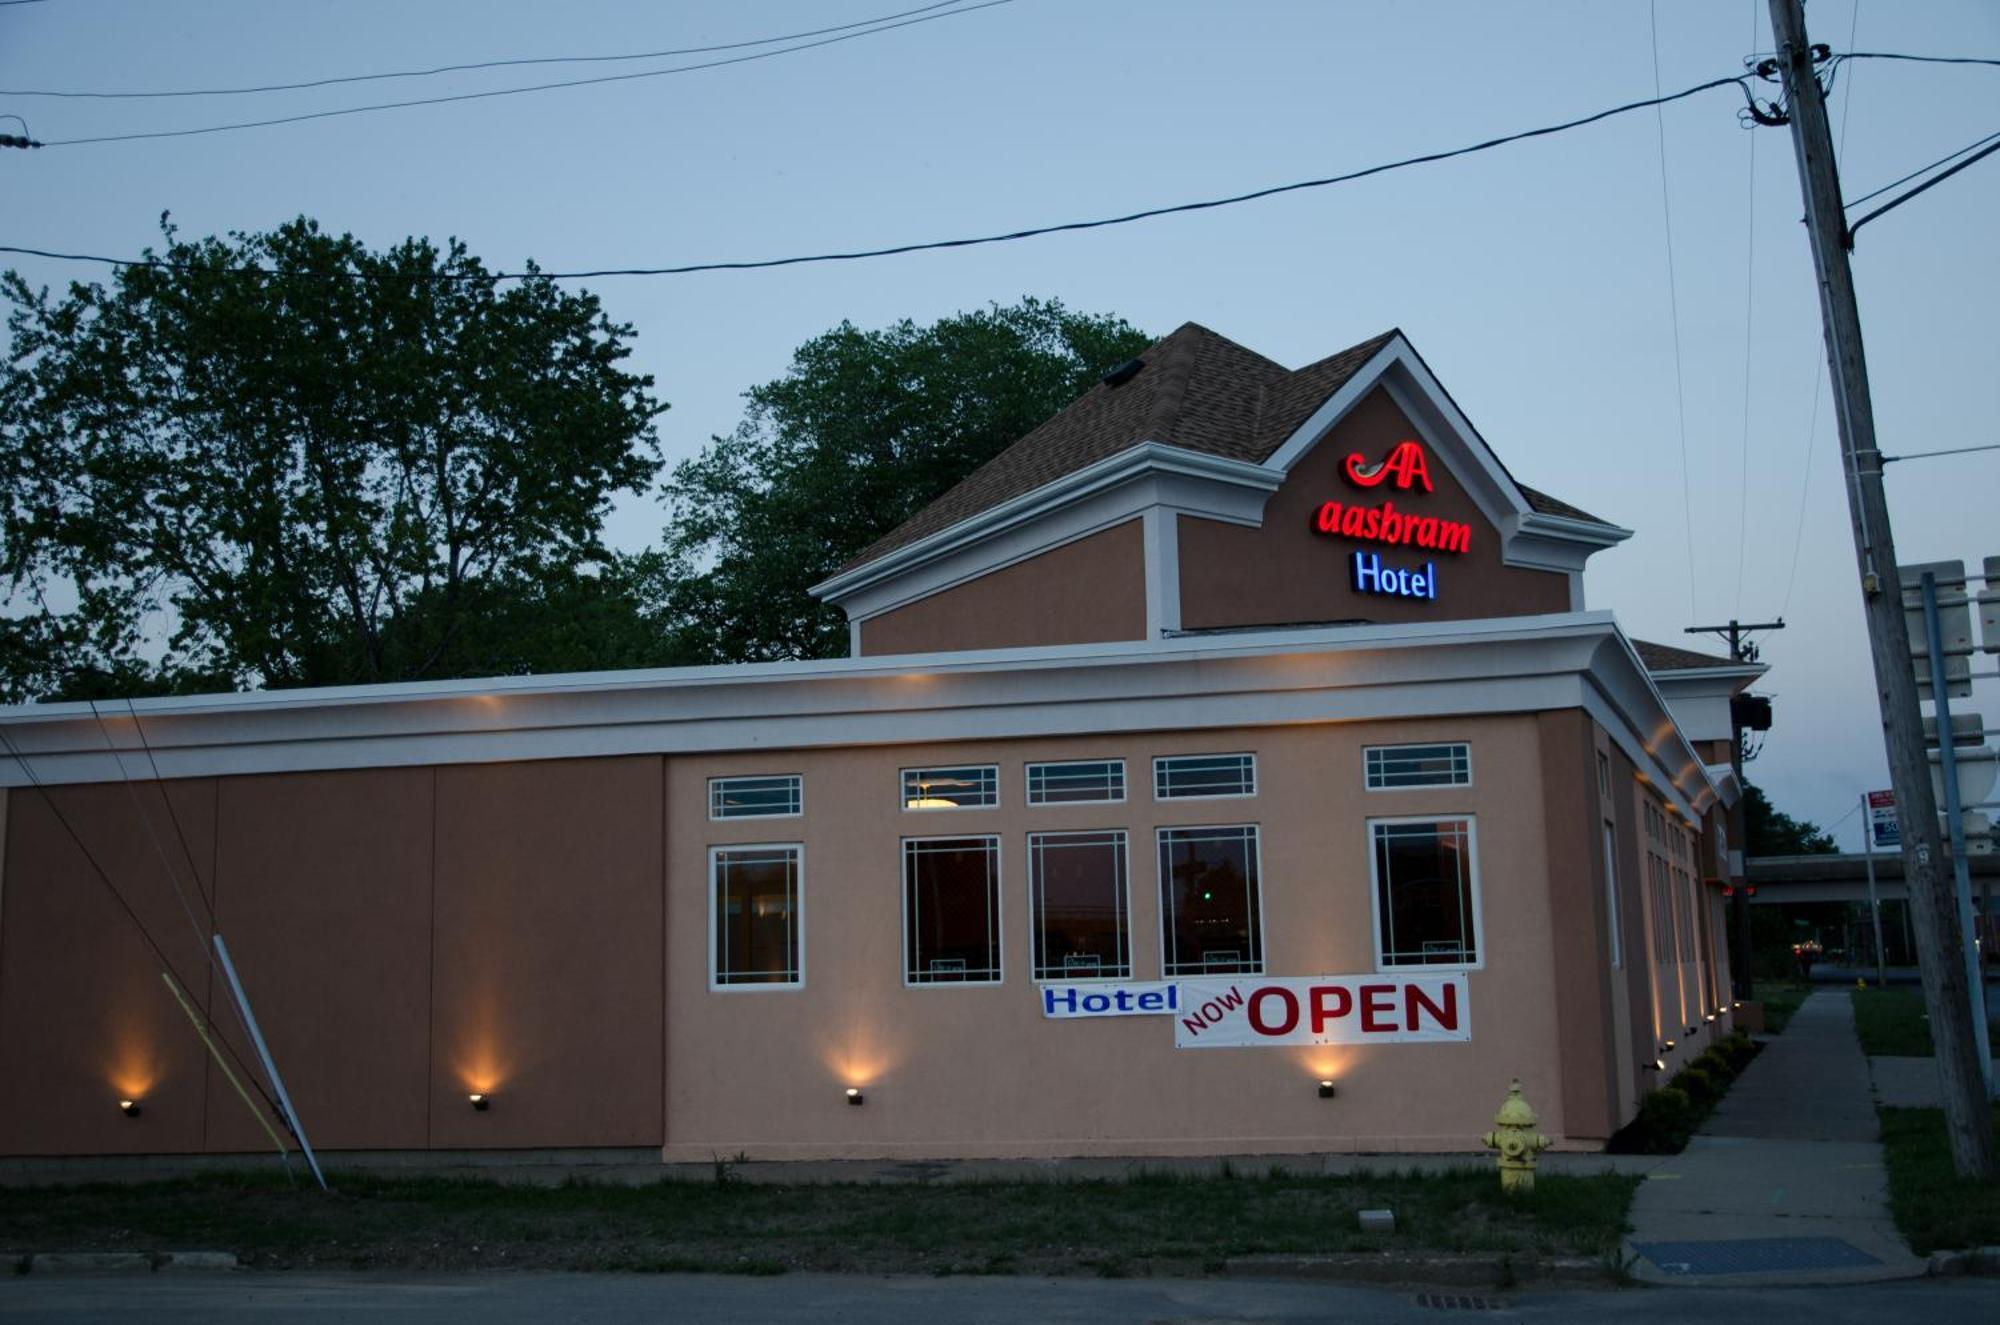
[1916, 59]
[1673, 305]
[516, 91]
[1739, 83]
[472, 65]
[1930, 183]
[1969, 147]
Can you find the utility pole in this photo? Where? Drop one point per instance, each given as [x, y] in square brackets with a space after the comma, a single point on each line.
[1933, 907]
[1741, 650]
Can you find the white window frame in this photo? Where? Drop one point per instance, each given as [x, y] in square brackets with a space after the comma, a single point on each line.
[799, 926]
[1034, 896]
[715, 782]
[1263, 963]
[1369, 785]
[1471, 822]
[1028, 782]
[999, 911]
[1250, 755]
[903, 799]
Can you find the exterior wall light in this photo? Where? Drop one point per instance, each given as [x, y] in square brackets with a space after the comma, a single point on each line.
[1325, 1089]
[130, 1108]
[1693, 1029]
[854, 1095]
[478, 1100]
[1659, 1064]
[1668, 1043]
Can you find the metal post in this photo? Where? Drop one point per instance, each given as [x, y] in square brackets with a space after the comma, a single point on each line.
[270, 1068]
[1874, 902]
[1954, 822]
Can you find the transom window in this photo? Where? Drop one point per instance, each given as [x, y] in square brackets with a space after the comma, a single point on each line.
[1426, 904]
[967, 788]
[1079, 906]
[757, 915]
[1393, 766]
[1211, 917]
[756, 797]
[1076, 782]
[951, 910]
[1186, 777]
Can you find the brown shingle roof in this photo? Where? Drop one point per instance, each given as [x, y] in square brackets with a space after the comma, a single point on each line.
[1670, 658]
[1197, 390]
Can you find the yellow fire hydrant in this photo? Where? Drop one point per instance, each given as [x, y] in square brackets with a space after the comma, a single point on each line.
[1515, 1137]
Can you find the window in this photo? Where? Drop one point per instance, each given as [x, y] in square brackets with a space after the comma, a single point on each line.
[757, 916]
[1603, 774]
[1426, 912]
[1077, 782]
[1392, 766]
[1078, 906]
[1211, 914]
[951, 910]
[1184, 777]
[951, 788]
[756, 798]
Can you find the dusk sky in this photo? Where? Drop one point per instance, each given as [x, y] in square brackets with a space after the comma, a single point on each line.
[1534, 279]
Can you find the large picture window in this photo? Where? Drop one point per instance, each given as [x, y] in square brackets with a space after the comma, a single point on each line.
[1426, 901]
[951, 910]
[755, 935]
[1211, 914]
[1079, 906]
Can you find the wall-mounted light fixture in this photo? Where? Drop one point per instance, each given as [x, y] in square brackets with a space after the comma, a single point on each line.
[1325, 1089]
[130, 1108]
[854, 1095]
[479, 1100]
[1668, 1043]
[1693, 1029]
[1659, 1064]
[1711, 1016]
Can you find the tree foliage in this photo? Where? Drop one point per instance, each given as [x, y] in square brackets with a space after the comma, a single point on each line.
[1772, 832]
[862, 430]
[302, 462]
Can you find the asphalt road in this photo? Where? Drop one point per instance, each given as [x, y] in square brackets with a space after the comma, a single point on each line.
[808, 1299]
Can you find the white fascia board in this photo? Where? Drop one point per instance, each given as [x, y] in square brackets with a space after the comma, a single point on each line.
[1728, 788]
[1225, 489]
[1727, 679]
[1648, 731]
[1502, 665]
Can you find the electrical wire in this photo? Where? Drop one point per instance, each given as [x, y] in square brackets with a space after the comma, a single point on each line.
[1749, 329]
[475, 64]
[1928, 184]
[516, 91]
[1674, 308]
[1033, 232]
[1915, 59]
[1852, 203]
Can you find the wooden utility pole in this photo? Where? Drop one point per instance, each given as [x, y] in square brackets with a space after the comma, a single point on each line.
[1933, 908]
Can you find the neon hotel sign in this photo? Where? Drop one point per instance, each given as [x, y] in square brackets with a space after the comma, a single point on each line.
[1405, 468]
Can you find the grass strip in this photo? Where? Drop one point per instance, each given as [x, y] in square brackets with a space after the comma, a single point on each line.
[1934, 1208]
[1894, 1021]
[1152, 1223]
[1781, 999]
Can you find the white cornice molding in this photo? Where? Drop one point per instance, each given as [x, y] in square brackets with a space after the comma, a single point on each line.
[1502, 665]
[1212, 485]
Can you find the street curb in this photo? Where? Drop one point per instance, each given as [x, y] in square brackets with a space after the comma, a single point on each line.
[1484, 1270]
[1981, 1261]
[125, 1262]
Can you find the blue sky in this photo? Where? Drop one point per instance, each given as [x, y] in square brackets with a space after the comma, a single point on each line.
[1534, 279]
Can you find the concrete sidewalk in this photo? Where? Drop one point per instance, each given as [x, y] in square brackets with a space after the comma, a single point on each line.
[1785, 1182]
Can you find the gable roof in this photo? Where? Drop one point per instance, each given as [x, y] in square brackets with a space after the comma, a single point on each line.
[1194, 390]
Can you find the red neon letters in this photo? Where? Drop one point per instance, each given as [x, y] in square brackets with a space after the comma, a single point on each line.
[1405, 463]
[1386, 524]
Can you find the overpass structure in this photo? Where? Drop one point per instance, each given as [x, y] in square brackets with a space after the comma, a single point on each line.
[1779, 880]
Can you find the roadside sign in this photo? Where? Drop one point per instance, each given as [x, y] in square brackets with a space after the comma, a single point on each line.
[1882, 828]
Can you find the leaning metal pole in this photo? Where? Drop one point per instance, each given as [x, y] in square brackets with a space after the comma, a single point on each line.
[1968, 1121]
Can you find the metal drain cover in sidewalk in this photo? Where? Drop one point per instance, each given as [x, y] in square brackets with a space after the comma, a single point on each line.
[1755, 1255]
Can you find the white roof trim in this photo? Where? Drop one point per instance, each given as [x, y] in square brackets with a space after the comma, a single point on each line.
[1500, 665]
[1143, 460]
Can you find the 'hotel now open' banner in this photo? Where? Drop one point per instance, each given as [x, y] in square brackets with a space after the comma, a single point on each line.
[1234, 1012]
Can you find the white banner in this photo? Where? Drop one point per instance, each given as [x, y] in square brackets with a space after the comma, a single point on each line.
[1234, 1012]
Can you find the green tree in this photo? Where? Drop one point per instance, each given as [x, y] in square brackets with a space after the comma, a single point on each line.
[862, 430]
[1772, 832]
[284, 459]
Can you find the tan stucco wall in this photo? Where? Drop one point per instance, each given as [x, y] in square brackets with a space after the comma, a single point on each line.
[1088, 591]
[959, 1071]
[405, 935]
[1285, 570]
[1585, 1010]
